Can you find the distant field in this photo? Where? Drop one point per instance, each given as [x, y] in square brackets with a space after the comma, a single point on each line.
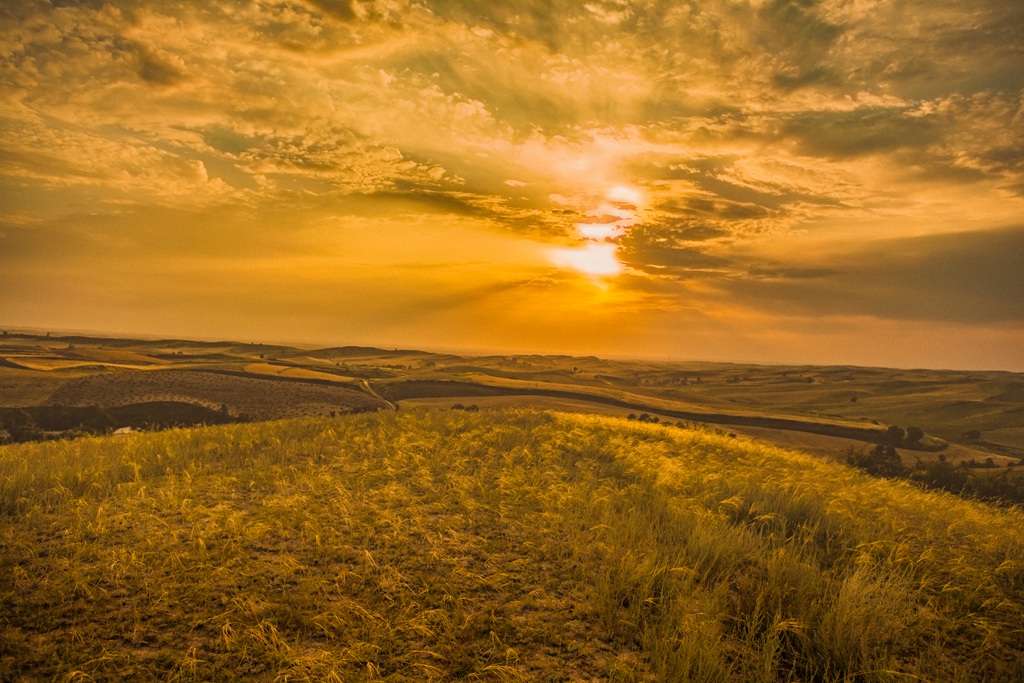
[48, 364]
[491, 546]
[980, 415]
[116, 356]
[255, 398]
[293, 373]
[25, 387]
[1006, 437]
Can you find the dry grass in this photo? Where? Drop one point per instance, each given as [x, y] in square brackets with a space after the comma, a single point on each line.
[504, 546]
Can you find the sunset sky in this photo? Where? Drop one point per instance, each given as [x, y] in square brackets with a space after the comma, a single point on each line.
[797, 181]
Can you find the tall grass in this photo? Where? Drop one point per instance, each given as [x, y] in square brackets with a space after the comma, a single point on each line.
[500, 546]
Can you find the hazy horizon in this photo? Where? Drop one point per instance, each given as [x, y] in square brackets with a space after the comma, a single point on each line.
[469, 352]
[779, 182]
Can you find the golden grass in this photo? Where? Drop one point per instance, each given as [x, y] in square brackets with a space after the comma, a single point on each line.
[492, 546]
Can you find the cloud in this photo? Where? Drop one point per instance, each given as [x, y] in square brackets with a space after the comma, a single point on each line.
[672, 251]
[341, 9]
[313, 100]
[706, 134]
[852, 134]
[967, 278]
[159, 69]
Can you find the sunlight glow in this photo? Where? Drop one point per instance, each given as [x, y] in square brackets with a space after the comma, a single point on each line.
[626, 195]
[599, 231]
[597, 257]
[592, 259]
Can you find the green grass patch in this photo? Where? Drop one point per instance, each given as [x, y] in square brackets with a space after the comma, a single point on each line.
[490, 546]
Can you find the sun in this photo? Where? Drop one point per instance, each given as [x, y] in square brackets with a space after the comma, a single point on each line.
[594, 259]
[597, 256]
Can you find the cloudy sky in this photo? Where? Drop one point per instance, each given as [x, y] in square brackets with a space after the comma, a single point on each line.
[820, 181]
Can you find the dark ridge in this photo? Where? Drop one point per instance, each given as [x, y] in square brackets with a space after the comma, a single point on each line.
[196, 356]
[356, 351]
[146, 414]
[511, 374]
[1013, 392]
[31, 423]
[118, 341]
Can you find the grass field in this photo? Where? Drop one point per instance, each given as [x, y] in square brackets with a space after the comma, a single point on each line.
[498, 545]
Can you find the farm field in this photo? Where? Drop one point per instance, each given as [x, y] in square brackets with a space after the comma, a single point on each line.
[252, 396]
[498, 545]
[965, 415]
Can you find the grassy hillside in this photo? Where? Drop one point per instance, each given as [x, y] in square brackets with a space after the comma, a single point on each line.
[491, 546]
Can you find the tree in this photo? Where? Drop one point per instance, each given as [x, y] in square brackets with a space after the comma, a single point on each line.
[894, 435]
[20, 425]
[914, 435]
[941, 474]
[882, 461]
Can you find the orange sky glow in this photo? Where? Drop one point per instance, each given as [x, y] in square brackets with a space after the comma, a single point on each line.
[776, 181]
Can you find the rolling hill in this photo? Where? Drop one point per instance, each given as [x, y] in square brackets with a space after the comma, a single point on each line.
[502, 545]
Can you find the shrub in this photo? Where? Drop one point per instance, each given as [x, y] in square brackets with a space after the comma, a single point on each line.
[881, 461]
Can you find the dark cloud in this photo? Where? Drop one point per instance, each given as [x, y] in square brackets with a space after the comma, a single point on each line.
[358, 12]
[92, 4]
[777, 272]
[514, 95]
[717, 207]
[851, 134]
[429, 201]
[663, 250]
[408, 199]
[698, 233]
[340, 9]
[544, 22]
[974, 278]
[156, 69]
[799, 42]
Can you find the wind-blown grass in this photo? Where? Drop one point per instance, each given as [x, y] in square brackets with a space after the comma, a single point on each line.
[491, 546]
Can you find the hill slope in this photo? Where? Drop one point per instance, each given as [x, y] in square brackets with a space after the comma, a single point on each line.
[490, 546]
